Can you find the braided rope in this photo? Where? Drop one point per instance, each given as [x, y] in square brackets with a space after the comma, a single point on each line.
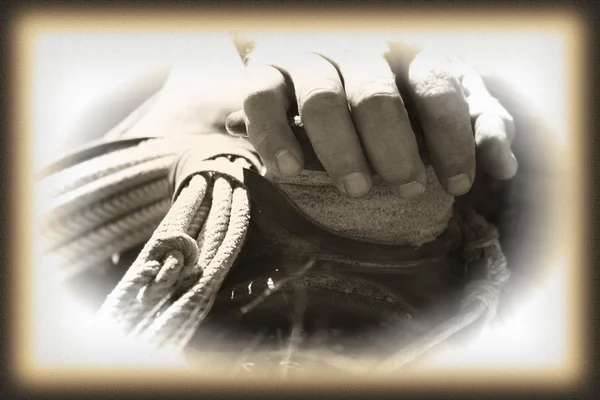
[192, 244]
[99, 213]
[109, 185]
[150, 283]
[212, 233]
[99, 255]
[88, 171]
[198, 220]
[60, 230]
[134, 297]
[175, 326]
[106, 234]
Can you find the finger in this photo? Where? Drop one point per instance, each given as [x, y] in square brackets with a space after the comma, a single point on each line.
[235, 124]
[265, 117]
[494, 127]
[444, 113]
[324, 112]
[383, 125]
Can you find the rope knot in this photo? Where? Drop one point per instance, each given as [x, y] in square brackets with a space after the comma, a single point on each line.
[170, 254]
[167, 242]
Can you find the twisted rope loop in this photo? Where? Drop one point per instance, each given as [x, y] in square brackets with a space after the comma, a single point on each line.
[116, 201]
[172, 284]
[106, 205]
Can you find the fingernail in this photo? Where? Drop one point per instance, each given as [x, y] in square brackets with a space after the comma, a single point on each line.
[408, 190]
[287, 163]
[234, 124]
[356, 184]
[236, 130]
[458, 184]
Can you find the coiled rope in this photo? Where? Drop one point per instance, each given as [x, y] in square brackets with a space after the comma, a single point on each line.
[173, 260]
[113, 202]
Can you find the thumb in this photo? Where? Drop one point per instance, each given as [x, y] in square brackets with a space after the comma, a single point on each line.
[235, 124]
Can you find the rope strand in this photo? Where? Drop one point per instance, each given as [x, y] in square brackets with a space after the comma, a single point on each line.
[481, 295]
[176, 325]
[60, 230]
[113, 202]
[124, 304]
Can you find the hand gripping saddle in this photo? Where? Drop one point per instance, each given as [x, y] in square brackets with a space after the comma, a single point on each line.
[217, 258]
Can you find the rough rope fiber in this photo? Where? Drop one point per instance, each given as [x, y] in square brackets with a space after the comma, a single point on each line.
[111, 203]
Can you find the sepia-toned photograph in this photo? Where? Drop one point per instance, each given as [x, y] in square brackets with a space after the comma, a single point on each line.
[331, 197]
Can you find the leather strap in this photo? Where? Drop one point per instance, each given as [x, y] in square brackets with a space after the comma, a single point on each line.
[270, 202]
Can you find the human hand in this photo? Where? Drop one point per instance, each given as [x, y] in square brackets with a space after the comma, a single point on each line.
[201, 89]
[363, 107]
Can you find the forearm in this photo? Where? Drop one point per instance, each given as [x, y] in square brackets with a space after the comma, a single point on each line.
[199, 93]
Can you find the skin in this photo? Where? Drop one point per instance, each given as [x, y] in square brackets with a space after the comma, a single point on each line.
[355, 103]
[356, 117]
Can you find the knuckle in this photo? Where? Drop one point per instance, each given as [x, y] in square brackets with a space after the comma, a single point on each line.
[492, 126]
[424, 80]
[487, 108]
[440, 92]
[445, 107]
[259, 136]
[322, 101]
[379, 113]
[398, 172]
[430, 62]
[445, 96]
[372, 96]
